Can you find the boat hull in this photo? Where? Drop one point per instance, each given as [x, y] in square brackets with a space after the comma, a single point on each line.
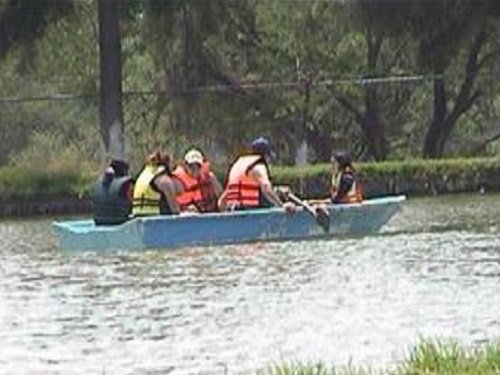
[225, 228]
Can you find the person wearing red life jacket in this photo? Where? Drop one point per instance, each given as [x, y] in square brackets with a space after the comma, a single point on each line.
[346, 186]
[248, 182]
[201, 186]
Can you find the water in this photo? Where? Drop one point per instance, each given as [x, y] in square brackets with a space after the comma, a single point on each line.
[433, 273]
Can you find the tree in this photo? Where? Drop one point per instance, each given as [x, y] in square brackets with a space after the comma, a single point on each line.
[384, 52]
[192, 47]
[110, 92]
[297, 45]
[463, 26]
[449, 34]
[24, 21]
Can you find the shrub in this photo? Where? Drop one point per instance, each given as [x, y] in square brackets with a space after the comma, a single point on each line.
[66, 176]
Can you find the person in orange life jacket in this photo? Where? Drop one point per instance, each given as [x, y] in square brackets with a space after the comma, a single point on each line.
[248, 183]
[201, 186]
[112, 195]
[346, 187]
[156, 188]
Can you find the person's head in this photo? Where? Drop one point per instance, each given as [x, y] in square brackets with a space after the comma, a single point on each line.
[262, 146]
[341, 160]
[194, 160]
[119, 167]
[159, 158]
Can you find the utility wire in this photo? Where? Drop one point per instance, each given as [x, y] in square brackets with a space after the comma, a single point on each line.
[247, 86]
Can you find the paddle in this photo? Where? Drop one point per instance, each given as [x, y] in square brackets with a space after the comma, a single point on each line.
[321, 216]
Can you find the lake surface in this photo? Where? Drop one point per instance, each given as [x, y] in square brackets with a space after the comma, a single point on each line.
[434, 272]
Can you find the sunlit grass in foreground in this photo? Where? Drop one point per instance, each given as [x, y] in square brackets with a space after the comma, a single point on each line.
[429, 358]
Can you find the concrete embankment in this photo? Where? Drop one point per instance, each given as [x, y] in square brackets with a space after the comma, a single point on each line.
[47, 205]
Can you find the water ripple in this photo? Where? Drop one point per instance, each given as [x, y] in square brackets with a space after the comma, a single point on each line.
[434, 272]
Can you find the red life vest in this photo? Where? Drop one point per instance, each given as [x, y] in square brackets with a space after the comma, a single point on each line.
[198, 191]
[243, 190]
[355, 193]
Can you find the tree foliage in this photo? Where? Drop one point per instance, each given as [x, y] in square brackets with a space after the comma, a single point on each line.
[382, 79]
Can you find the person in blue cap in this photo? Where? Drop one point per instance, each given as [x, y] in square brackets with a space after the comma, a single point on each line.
[248, 182]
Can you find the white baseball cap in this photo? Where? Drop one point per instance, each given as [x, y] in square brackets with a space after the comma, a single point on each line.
[193, 156]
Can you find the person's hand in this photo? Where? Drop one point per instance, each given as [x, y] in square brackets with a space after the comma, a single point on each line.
[192, 208]
[321, 208]
[282, 191]
[290, 208]
[221, 205]
[189, 213]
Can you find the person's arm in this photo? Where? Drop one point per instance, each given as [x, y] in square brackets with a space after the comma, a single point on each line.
[127, 191]
[221, 202]
[260, 174]
[216, 184]
[169, 189]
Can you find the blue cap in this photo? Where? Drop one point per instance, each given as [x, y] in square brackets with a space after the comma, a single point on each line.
[261, 145]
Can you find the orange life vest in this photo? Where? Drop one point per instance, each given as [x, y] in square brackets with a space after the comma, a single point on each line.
[243, 190]
[198, 191]
[355, 193]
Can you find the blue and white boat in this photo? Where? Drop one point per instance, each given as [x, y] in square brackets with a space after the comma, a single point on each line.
[167, 232]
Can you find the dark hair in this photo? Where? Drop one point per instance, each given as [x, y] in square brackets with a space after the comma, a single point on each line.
[159, 158]
[120, 168]
[343, 159]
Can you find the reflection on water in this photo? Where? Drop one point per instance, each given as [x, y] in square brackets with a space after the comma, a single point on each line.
[434, 272]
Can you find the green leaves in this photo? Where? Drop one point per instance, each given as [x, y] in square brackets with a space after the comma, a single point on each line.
[24, 21]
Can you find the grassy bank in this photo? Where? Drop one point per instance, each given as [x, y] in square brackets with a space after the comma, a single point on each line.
[30, 188]
[20, 183]
[429, 358]
[27, 192]
[412, 177]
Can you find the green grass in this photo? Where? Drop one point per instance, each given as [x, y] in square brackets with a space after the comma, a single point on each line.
[314, 369]
[22, 183]
[427, 358]
[438, 358]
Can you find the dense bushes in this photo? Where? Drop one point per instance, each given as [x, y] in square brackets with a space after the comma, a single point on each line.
[413, 177]
[23, 184]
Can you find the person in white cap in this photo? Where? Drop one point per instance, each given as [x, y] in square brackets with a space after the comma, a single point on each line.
[201, 186]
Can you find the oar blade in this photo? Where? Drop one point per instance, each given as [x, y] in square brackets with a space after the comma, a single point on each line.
[323, 219]
[319, 213]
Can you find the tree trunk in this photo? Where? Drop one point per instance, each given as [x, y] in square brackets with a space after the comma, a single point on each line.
[434, 143]
[321, 143]
[110, 100]
[371, 124]
[444, 120]
[373, 128]
[302, 151]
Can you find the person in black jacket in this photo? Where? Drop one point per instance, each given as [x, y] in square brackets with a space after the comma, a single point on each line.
[112, 195]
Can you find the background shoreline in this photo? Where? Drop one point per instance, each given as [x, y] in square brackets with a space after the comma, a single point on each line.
[32, 193]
